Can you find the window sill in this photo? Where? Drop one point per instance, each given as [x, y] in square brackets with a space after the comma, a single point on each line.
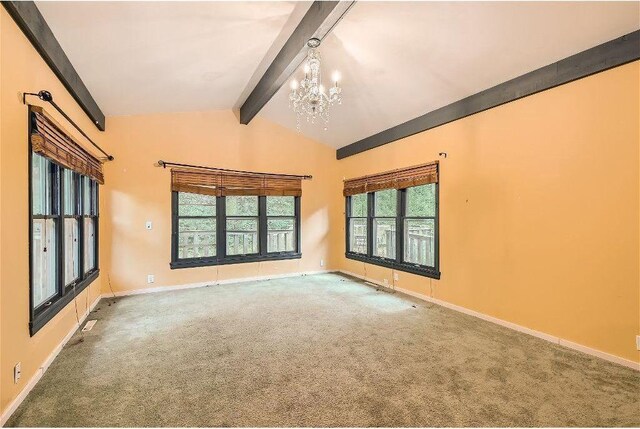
[44, 315]
[192, 263]
[408, 268]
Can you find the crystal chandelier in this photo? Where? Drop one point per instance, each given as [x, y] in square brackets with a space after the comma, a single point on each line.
[309, 98]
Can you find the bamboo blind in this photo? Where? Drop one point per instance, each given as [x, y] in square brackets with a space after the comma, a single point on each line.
[50, 140]
[222, 183]
[394, 179]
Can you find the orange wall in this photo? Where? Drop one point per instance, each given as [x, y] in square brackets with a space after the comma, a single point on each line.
[21, 70]
[2, 404]
[137, 191]
[539, 211]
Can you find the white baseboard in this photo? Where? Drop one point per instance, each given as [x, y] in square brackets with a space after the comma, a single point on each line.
[551, 338]
[45, 365]
[210, 283]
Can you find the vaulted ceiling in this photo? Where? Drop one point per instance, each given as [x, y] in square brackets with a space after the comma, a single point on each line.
[398, 60]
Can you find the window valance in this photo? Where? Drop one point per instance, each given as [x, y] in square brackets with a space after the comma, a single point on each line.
[49, 139]
[394, 179]
[224, 182]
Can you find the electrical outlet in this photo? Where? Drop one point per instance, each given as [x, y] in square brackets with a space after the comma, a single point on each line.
[149, 225]
[386, 282]
[396, 277]
[17, 372]
[638, 342]
[322, 262]
[151, 278]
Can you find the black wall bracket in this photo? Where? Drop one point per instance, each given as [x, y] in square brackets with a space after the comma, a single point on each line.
[46, 96]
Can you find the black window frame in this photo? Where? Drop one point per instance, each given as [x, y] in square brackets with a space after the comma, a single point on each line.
[296, 222]
[238, 217]
[221, 257]
[41, 314]
[374, 216]
[349, 217]
[93, 216]
[76, 179]
[397, 263]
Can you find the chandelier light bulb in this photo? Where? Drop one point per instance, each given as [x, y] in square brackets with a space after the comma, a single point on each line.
[294, 85]
[321, 89]
[335, 77]
[307, 69]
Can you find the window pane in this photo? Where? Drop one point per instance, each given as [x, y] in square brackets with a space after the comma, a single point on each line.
[386, 202]
[281, 235]
[196, 205]
[242, 206]
[69, 193]
[358, 235]
[384, 238]
[40, 185]
[44, 261]
[280, 206]
[89, 244]
[242, 236]
[54, 187]
[86, 184]
[94, 197]
[71, 249]
[196, 238]
[419, 241]
[359, 205]
[421, 201]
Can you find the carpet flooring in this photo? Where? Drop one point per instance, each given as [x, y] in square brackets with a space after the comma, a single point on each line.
[323, 350]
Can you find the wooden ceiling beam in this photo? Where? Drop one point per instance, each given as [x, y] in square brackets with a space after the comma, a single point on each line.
[33, 25]
[611, 54]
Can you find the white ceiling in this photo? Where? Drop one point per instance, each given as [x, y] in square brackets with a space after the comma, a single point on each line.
[398, 60]
[148, 57]
[402, 60]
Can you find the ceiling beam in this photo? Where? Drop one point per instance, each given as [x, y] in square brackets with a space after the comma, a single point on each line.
[319, 20]
[611, 54]
[34, 26]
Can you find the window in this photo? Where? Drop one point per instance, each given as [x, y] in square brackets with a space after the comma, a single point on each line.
[90, 222]
[242, 225]
[196, 226]
[63, 213]
[44, 231]
[403, 228]
[71, 228]
[357, 213]
[420, 225]
[384, 223]
[64, 221]
[210, 230]
[281, 224]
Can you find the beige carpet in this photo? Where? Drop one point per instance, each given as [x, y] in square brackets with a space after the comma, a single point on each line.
[320, 350]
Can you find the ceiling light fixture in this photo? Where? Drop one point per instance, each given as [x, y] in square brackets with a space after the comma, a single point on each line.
[309, 98]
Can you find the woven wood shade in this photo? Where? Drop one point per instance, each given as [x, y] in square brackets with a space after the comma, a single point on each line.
[394, 179]
[222, 183]
[50, 140]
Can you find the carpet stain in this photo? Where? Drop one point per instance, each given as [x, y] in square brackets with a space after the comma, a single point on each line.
[321, 350]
